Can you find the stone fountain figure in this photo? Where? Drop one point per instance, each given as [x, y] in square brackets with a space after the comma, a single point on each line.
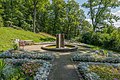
[60, 41]
[60, 45]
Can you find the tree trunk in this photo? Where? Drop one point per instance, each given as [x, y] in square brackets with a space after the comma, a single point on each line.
[34, 16]
[94, 27]
[92, 15]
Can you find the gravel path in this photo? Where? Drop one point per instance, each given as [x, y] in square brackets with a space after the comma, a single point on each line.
[63, 68]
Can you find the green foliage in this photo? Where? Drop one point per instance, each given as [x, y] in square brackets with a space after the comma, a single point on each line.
[28, 69]
[106, 72]
[75, 15]
[98, 56]
[15, 46]
[10, 72]
[99, 71]
[2, 65]
[29, 55]
[53, 17]
[7, 35]
[115, 37]
[108, 38]
[1, 22]
[100, 12]
[86, 37]
[86, 73]
[7, 72]
[58, 16]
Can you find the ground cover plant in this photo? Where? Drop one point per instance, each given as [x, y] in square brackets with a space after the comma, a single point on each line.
[24, 65]
[7, 72]
[25, 54]
[97, 56]
[24, 69]
[99, 71]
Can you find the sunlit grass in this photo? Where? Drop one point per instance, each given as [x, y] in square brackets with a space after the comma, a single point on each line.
[7, 35]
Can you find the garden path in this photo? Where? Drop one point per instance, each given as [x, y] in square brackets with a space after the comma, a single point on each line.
[63, 67]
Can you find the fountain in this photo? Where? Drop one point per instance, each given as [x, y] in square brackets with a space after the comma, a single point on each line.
[60, 45]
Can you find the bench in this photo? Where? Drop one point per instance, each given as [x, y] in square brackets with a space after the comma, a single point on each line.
[26, 42]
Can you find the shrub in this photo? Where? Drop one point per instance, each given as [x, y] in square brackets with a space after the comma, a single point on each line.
[92, 76]
[84, 70]
[86, 37]
[97, 57]
[109, 40]
[2, 65]
[32, 55]
[43, 72]
[95, 39]
[106, 72]
[115, 35]
[8, 72]
[15, 46]
[33, 69]
[1, 22]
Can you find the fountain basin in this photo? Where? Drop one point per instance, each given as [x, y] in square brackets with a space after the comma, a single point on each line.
[67, 48]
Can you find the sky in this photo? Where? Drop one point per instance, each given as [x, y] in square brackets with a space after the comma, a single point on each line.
[115, 11]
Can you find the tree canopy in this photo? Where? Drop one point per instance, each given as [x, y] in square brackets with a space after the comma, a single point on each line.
[100, 12]
[55, 16]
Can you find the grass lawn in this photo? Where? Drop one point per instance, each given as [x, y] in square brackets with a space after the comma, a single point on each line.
[7, 35]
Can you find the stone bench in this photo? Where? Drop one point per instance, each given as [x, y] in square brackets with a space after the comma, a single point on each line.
[26, 42]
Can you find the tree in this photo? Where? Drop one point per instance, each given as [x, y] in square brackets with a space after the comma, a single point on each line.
[35, 2]
[58, 15]
[75, 17]
[55, 16]
[43, 17]
[1, 20]
[100, 12]
[36, 5]
[12, 13]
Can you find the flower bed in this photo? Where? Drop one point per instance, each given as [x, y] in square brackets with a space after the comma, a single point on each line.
[93, 57]
[30, 55]
[31, 69]
[99, 71]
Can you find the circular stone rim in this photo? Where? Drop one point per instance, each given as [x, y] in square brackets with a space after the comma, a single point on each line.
[73, 48]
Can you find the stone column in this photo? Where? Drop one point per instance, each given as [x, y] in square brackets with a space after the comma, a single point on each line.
[62, 40]
[59, 40]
